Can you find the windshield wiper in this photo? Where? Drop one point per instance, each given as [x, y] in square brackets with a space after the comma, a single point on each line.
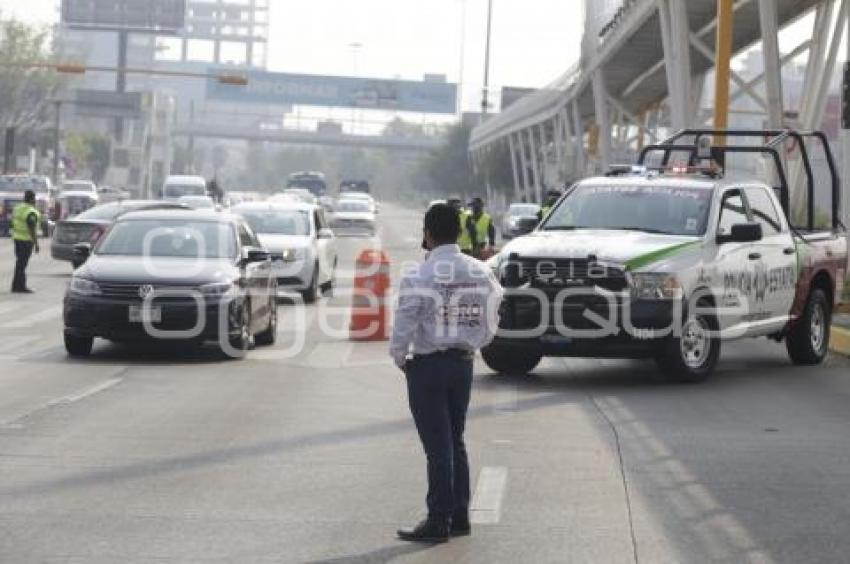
[644, 229]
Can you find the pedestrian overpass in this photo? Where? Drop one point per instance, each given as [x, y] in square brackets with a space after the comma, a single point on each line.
[642, 71]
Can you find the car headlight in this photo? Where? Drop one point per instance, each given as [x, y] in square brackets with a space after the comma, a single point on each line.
[83, 287]
[292, 255]
[655, 286]
[219, 289]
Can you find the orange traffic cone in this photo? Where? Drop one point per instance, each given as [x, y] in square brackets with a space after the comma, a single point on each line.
[368, 306]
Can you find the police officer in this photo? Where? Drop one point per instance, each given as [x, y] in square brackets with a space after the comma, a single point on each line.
[552, 197]
[448, 308]
[25, 220]
[483, 229]
[466, 236]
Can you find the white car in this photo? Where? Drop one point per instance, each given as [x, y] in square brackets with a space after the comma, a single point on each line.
[302, 245]
[354, 217]
[301, 194]
[197, 202]
[76, 196]
[360, 197]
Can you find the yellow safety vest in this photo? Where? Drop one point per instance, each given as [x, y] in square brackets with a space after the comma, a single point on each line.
[20, 229]
[464, 240]
[544, 211]
[482, 228]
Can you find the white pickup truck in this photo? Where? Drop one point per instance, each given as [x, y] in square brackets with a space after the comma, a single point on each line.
[667, 262]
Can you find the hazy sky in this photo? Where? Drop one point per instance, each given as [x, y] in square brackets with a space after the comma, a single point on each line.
[408, 38]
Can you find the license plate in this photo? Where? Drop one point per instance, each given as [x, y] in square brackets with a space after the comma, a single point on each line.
[139, 314]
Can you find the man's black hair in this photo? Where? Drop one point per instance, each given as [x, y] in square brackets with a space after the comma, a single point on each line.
[442, 222]
[29, 197]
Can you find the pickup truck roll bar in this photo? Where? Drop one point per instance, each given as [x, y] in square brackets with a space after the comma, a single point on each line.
[774, 138]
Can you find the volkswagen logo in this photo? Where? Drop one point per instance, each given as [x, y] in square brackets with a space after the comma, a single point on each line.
[145, 290]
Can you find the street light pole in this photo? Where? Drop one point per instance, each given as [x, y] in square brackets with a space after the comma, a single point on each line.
[484, 92]
[56, 135]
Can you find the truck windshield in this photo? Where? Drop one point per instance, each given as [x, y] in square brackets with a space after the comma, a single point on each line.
[667, 210]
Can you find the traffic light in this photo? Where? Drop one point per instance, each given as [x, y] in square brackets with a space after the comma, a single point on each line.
[233, 79]
[71, 68]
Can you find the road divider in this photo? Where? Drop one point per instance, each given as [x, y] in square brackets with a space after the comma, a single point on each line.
[369, 297]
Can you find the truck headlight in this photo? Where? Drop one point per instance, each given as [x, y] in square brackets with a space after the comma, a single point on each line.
[655, 286]
[83, 287]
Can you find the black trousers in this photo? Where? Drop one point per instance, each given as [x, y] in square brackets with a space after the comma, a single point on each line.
[23, 252]
[438, 388]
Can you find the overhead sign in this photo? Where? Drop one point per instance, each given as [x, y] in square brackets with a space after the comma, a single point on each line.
[339, 91]
[163, 16]
[102, 103]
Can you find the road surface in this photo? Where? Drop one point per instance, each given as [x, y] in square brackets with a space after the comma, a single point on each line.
[306, 452]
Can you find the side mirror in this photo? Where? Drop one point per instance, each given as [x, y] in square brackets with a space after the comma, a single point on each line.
[82, 251]
[742, 233]
[256, 255]
[325, 233]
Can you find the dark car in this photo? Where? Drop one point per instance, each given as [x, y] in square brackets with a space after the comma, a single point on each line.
[173, 275]
[519, 220]
[91, 224]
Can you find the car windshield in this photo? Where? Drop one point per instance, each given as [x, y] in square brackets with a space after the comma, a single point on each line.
[277, 222]
[352, 206]
[177, 238]
[10, 183]
[197, 202]
[656, 209]
[178, 190]
[523, 209]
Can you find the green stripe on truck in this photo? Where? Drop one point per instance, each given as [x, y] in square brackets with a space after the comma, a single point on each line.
[655, 256]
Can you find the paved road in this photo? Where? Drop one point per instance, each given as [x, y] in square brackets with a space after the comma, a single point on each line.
[161, 455]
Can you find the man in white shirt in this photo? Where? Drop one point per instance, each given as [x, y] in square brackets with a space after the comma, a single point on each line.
[447, 309]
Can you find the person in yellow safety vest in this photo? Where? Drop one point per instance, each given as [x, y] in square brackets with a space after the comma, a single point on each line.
[467, 229]
[484, 232]
[25, 220]
[552, 197]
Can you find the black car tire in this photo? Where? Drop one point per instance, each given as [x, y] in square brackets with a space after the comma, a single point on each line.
[244, 340]
[513, 360]
[808, 341]
[78, 346]
[269, 336]
[311, 294]
[671, 358]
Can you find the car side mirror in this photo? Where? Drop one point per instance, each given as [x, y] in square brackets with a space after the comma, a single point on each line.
[256, 255]
[742, 233]
[82, 251]
[325, 233]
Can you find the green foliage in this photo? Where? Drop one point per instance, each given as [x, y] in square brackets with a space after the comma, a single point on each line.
[25, 93]
[89, 150]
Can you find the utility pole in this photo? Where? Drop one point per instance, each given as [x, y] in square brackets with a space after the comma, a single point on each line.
[484, 102]
[722, 57]
[57, 124]
[121, 80]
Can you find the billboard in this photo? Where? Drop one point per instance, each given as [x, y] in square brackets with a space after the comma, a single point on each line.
[164, 16]
[338, 91]
[102, 103]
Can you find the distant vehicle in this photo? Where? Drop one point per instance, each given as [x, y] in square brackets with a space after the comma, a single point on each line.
[110, 194]
[312, 181]
[354, 186]
[147, 277]
[328, 203]
[176, 186]
[90, 225]
[302, 195]
[197, 202]
[360, 197]
[12, 188]
[519, 220]
[75, 197]
[302, 245]
[354, 217]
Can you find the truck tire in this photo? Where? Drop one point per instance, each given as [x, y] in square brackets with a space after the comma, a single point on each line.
[512, 360]
[808, 340]
[78, 346]
[691, 357]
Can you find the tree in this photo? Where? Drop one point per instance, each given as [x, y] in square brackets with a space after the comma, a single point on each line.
[25, 93]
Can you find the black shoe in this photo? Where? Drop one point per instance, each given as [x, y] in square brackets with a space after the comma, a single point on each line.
[22, 291]
[429, 530]
[460, 526]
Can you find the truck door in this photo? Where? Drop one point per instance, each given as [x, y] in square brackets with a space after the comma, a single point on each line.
[735, 267]
[776, 278]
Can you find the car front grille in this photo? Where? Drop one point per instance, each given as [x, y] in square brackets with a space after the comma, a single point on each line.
[130, 292]
[557, 274]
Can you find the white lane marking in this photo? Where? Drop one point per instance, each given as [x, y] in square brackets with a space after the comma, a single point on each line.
[30, 320]
[88, 392]
[486, 508]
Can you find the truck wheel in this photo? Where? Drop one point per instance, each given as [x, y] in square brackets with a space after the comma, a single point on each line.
[808, 340]
[269, 336]
[78, 346]
[311, 294]
[511, 359]
[692, 356]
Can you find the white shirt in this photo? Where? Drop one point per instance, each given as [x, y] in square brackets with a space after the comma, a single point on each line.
[450, 300]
